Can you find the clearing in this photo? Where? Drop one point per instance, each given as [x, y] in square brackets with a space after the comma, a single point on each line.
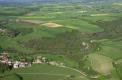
[37, 22]
[100, 14]
[52, 25]
[100, 63]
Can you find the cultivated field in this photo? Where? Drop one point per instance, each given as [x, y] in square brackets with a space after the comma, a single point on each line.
[87, 38]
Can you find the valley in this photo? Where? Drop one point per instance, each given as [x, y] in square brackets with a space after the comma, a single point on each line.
[86, 37]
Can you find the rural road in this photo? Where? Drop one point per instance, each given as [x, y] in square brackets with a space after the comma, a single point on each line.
[75, 70]
[43, 74]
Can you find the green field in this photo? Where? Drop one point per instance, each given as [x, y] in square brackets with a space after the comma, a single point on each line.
[86, 37]
[101, 64]
[47, 72]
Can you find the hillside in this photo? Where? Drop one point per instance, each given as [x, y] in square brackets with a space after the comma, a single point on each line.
[60, 41]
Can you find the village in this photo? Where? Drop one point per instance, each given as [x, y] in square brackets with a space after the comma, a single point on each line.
[5, 59]
[22, 63]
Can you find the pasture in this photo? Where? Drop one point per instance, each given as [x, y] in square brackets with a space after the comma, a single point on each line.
[100, 63]
[46, 72]
[112, 49]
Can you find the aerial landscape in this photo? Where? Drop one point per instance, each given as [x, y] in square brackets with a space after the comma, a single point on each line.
[60, 39]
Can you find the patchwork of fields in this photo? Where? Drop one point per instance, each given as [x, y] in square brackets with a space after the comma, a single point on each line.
[87, 39]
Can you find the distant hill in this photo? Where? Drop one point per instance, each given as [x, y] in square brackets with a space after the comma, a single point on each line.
[58, 1]
[28, 2]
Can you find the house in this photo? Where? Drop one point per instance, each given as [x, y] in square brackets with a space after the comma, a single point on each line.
[22, 64]
[38, 60]
[19, 64]
[10, 63]
[54, 63]
[16, 64]
[83, 43]
[4, 54]
[44, 59]
[4, 58]
[2, 30]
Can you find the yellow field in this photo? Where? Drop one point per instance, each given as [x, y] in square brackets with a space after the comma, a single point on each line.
[100, 63]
